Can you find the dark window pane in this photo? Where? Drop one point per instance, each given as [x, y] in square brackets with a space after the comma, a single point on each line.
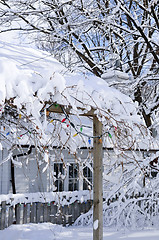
[75, 171]
[88, 175]
[71, 171]
[75, 185]
[85, 185]
[85, 172]
[58, 170]
[70, 185]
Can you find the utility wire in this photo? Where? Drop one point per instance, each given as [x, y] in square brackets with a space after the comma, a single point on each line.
[36, 60]
[41, 58]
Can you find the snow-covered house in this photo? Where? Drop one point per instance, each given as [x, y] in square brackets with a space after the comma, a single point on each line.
[34, 86]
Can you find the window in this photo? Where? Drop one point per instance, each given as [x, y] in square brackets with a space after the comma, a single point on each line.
[73, 184]
[69, 179]
[58, 173]
[87, 174]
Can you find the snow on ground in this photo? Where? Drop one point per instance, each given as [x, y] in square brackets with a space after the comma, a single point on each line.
[50, 231]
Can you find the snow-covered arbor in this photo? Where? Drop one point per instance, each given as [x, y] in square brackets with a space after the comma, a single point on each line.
[44, 105]
[32, 83]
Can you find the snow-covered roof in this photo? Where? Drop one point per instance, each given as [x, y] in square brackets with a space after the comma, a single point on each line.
[32, 77]
[24, 71]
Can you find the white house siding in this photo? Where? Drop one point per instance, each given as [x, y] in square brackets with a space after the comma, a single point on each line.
[5, 173]
[29, 177]
[21, 180]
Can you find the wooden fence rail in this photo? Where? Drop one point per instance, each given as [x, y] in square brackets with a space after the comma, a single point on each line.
[38, 212]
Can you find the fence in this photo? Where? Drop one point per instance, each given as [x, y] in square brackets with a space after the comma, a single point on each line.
[38, 212]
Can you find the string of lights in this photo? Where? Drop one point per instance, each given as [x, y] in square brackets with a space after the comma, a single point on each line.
[81, 129]
[66, 120]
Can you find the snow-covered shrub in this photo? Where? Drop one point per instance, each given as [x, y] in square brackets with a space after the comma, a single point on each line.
[131, 194]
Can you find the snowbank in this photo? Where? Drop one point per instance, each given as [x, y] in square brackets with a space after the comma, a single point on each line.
[51, 231]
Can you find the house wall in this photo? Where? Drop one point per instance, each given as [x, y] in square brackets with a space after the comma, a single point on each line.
[5, 172]
[29, 177]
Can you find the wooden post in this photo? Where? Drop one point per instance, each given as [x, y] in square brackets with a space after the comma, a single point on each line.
[33, 213]
[38, 212]
[97, 181]
[53, 213]
[45, 214]
[18, 213]
[25, 213]
[10, 216]
[3, 216]
[13, 177]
